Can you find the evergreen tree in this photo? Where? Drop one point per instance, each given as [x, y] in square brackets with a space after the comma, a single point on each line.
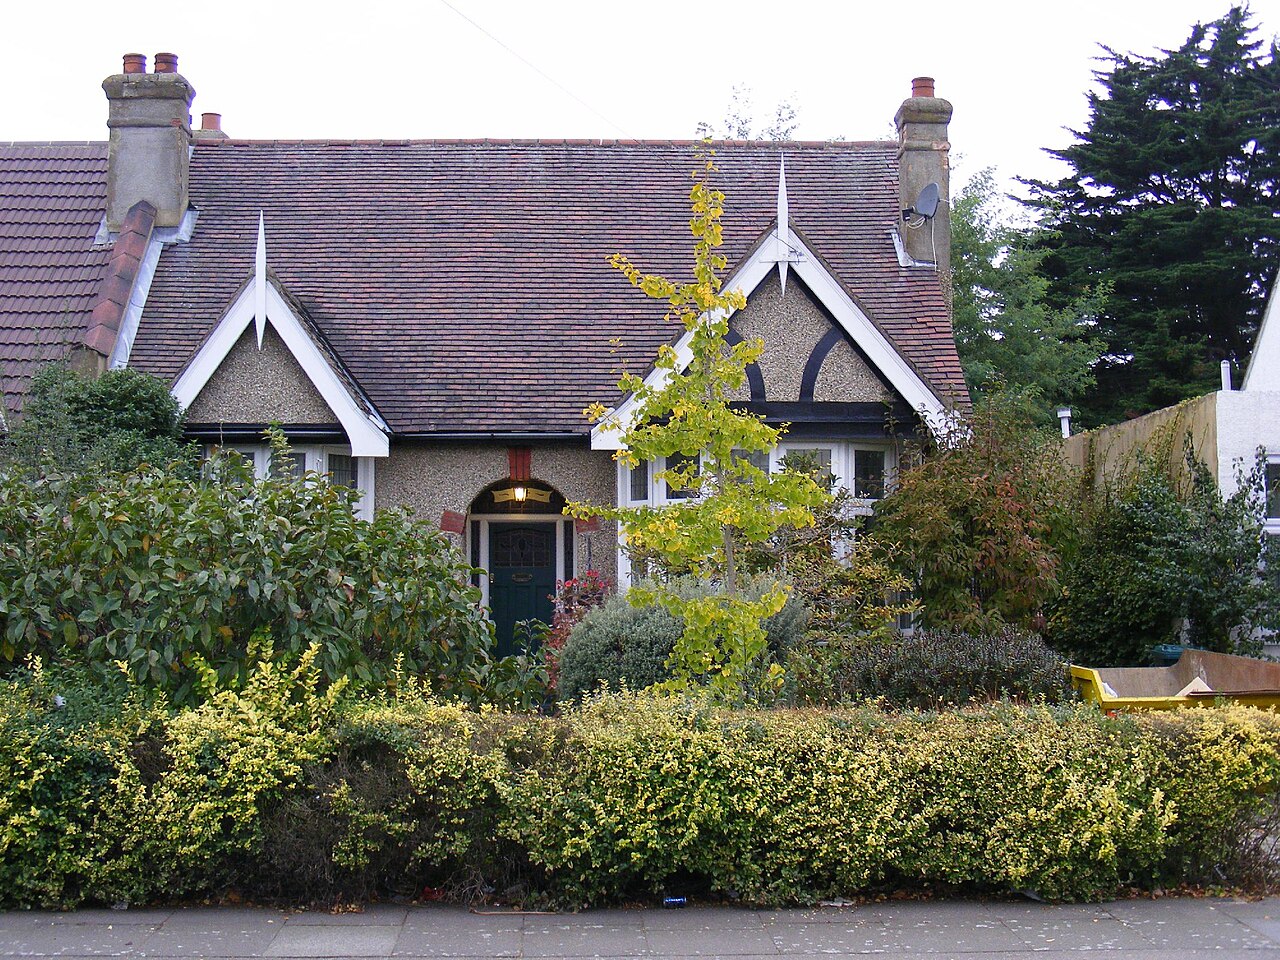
[1172, 200]
[1007, 333]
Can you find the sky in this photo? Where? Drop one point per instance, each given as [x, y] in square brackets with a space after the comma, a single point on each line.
[1016, 72]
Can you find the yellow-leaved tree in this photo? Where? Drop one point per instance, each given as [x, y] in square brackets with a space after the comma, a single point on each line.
[687, 412]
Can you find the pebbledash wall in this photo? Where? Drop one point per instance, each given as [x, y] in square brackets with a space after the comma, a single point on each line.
[430, 477]
[791, 325]
[260, 386]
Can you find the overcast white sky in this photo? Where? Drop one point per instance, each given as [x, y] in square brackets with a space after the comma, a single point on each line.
[1017, 72]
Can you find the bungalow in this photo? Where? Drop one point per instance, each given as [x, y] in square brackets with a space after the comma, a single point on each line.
[428, 319]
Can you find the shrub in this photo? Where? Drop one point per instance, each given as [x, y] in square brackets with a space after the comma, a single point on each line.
[644, 797]
[1219, 768]
[619, 644]
[72, 423]
[574, 599]
[982, 522]
[73, 812]
[932, 668]
[404, 799]
[224, 763]
[174, 575]
[1162, 566]
[842, 576]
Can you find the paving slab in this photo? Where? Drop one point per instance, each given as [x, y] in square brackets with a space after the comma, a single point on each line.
[927, 937]
[1104, 933]
[850, 937]
[1228, 935]
[748, 940]
[115, 918]
[438, 917]
[581, 938]
[80, 940]
[335, 941]
[452, 940]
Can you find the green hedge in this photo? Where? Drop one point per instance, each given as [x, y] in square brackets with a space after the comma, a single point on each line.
[279, 790]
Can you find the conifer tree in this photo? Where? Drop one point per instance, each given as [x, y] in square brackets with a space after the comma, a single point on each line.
[1171, 199]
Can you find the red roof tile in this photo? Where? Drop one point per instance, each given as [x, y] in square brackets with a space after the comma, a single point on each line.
[52, 198]
[464, 284]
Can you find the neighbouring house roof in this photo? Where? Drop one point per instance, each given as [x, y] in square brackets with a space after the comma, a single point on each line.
[52, 198]
[462, 287]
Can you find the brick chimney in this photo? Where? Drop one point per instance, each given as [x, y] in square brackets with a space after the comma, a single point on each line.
[923, 159]
[150, 138]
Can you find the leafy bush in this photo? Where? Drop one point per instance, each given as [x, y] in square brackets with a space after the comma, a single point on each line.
[173, 576]
[788, 807]
[1224, 831]
[77, 424]
[225, 763]
[932, 668]
[1157, 561]
[574, 599]
[624, 645]
[279, 790]
[982, 522]
[404, 799]
[72, 806]
[842, 576]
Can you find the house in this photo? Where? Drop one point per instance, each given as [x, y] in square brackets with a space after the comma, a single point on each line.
[1227, 430]
[428, 319]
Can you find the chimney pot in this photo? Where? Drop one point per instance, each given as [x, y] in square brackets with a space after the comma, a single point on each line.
[166, 63]
[210, 121]
[922, 87]
[135, 63]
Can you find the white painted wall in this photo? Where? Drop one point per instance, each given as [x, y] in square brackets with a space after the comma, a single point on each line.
[1263, 373]
[1247, 420]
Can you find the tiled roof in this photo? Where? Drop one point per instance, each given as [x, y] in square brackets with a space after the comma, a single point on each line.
[52, 197]
[464, 284]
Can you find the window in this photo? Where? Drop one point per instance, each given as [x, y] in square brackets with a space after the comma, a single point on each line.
[291, 464]
[758, 459]
[639, 482]
[1273, 490]
[342, 470]
[868, 474]
[679, 461]
[820, 461]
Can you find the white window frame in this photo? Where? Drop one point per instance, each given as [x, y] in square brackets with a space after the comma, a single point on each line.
[1270, 525]
[627, 474]
[658, 488]
[315, 460]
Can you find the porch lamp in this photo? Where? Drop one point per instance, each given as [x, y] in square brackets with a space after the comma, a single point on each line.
[521, 493]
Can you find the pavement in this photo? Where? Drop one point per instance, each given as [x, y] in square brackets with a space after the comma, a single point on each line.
[1170, 929]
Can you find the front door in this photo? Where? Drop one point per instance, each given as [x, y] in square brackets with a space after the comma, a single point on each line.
[522, 577]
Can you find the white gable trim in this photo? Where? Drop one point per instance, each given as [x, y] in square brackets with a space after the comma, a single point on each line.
[367, 434]
[901, 376]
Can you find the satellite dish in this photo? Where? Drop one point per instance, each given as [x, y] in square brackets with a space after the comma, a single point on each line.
[927, 203]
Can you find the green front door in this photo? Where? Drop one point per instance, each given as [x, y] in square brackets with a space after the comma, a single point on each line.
[522, 577]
